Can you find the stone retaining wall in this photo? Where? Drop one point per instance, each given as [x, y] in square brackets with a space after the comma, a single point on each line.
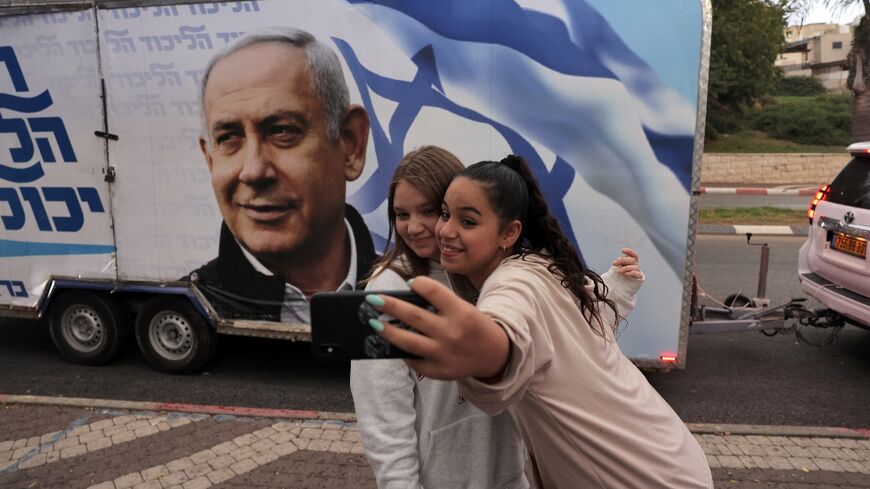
[771, 168]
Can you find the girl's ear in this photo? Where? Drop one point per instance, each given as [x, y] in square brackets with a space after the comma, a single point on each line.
[511, 233]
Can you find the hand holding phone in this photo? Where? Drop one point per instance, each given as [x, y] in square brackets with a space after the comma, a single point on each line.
[340, 325]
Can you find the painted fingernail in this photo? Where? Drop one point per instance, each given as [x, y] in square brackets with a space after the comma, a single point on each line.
[375, 300]
[410, 282]
[376, 325]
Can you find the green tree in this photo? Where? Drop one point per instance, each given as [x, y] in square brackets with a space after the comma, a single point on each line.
[747, 37]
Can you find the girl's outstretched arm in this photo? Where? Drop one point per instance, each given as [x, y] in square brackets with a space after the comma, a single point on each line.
[457, 342]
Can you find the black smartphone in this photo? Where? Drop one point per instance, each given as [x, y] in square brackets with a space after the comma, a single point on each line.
[340, 325]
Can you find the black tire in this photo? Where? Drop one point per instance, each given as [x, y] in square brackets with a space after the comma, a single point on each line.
[87, 328]
[173, 336]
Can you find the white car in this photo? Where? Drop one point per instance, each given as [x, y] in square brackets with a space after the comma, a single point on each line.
[833, 266]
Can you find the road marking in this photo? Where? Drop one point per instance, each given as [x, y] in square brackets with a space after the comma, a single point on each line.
[766, 230]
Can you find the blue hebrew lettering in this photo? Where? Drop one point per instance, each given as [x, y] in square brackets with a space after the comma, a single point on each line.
[21, 154]
[56, 18]
[185, 107]
[246, 6]
[147, 40]
[90, 196]
[31, 195]
[170, 11]
[8, 285]
[49, 46]
[55, 126]
[205, 8]
[76, 219]
[120, 41]
[198, 38]
[127, 13]
[15, 221]
[161, 43]
[7, 56]
[83, 46]
[19, 128]
[20, 20]
[151, 103]
[24, 153]
[195, 75]
[18, 289]
[25, 104]
[226, 37]
[164, 74]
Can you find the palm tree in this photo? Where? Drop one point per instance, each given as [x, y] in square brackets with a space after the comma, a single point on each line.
[859, 77]
[858, 60]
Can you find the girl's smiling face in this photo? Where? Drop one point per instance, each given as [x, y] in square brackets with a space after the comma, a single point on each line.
[415, 220]
[470, 233]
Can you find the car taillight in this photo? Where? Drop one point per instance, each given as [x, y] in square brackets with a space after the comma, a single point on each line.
[821, 195]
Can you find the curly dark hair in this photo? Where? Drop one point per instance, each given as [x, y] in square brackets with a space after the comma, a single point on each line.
[514, 193]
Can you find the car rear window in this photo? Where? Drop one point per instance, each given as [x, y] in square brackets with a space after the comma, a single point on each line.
[852, 185]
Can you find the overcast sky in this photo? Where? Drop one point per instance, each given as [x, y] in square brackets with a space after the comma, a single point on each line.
[822, 14]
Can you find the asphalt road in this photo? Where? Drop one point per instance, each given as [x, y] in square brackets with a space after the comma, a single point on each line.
[749, 378]
[730, 378]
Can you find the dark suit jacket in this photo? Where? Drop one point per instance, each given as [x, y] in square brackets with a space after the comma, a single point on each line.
[237, 291]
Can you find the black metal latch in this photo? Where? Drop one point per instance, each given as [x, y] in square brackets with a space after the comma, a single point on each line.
[106, 135]
[109, 174]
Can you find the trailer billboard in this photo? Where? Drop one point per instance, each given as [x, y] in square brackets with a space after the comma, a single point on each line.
[601, 97]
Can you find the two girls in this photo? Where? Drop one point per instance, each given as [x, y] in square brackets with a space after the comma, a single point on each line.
[540, 344]
[418, 431]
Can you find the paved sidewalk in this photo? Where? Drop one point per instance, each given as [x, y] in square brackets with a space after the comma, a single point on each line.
[48, 445]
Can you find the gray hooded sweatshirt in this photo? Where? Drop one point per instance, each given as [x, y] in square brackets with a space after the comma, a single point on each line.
[420, 433]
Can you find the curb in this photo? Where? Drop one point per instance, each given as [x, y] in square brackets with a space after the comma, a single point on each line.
[697, 428]
[757, 230]
[176, 407]
[759, 191]
[785, 430]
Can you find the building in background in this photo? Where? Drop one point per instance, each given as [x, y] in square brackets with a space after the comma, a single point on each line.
[818, 50]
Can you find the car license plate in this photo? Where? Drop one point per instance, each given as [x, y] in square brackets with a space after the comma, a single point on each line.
[850, 245]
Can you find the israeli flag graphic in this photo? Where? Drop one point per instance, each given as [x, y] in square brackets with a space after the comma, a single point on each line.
[609, 136]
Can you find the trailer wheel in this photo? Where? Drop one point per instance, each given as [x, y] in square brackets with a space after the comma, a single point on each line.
[173, 336]
[87, 328]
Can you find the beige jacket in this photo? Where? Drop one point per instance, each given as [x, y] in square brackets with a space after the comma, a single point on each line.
[588, 416]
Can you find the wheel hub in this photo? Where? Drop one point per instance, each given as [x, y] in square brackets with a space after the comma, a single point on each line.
[171, 335]
[82, 328]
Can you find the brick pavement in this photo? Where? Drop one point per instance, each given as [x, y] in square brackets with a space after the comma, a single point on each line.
[92, 448]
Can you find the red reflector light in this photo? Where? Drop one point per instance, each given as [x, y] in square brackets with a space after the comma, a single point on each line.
[668, 358]
[821, 195]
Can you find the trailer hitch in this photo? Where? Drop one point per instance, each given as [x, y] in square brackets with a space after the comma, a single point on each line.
[740, 313]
